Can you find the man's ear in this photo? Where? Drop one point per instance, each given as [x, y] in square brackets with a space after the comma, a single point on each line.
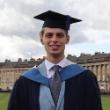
[41, 39]
[68, 39]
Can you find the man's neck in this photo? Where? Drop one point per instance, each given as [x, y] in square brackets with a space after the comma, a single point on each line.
[55, 59]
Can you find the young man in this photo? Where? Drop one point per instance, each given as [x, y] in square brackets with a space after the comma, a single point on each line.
[57, 83]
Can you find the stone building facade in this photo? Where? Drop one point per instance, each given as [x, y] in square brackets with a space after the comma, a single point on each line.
[102, 72]
[99, 63]
[10, 71]
[8, 76]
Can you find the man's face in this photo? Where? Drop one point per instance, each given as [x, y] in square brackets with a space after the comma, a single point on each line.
[54, 40]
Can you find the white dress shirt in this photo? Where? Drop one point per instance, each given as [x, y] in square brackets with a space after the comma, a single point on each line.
[49, 65]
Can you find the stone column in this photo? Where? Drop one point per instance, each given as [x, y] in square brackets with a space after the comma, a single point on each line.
[97, 71]
[108, 69]
[94, 69]
[103, 72]
[90, 68]
[108, 77]
[99, 75]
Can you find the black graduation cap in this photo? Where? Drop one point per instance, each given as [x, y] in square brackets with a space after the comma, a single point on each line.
[56, 20]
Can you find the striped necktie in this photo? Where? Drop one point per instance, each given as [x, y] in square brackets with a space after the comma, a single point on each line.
[55, 84]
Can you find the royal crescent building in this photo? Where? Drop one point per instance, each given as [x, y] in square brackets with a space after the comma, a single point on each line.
[99, 64]
[10, 71]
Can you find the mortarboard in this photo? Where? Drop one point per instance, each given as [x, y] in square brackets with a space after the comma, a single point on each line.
[56, 20]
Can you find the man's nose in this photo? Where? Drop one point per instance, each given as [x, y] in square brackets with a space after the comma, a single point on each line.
[54, 38]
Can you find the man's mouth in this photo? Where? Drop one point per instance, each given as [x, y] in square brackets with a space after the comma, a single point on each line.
[54, 46]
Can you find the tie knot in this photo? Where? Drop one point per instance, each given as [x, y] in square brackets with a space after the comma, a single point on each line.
[56, 67]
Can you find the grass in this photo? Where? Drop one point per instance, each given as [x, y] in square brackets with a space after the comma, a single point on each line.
[4, 101]
[106, 102]
[4, 97]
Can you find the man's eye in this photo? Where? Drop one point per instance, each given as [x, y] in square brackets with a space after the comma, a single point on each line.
[60, 35]
[49, 35]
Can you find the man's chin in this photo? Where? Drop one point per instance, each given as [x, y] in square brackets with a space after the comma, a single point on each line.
[55, 54]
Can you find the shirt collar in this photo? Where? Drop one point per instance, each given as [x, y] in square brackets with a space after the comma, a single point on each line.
[49, 64]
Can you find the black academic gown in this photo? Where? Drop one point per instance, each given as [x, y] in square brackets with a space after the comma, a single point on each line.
[81, 93]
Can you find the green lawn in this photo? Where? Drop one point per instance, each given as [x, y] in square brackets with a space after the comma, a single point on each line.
[106, 102]
[3, 100]
[5, 96]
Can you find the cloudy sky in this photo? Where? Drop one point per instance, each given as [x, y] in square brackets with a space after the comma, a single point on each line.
[19, 32]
